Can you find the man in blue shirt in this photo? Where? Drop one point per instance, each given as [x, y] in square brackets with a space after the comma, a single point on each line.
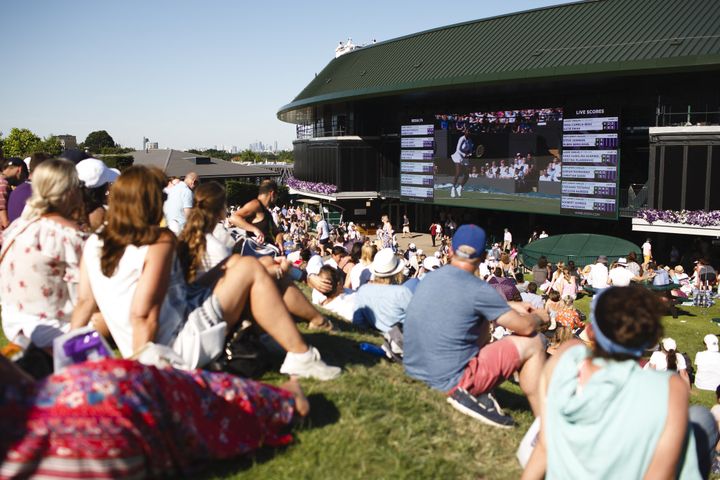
[179, 202]
[447, 333]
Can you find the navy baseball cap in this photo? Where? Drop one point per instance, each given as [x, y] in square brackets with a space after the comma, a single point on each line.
[469, 241]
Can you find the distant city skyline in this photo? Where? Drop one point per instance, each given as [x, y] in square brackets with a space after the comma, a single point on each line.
[184, 73]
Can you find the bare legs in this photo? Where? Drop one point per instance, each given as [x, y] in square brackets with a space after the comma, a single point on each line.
[532, 355]
[245, 279]
[298, 305]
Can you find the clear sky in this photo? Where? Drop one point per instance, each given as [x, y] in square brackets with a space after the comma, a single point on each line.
[189, 73]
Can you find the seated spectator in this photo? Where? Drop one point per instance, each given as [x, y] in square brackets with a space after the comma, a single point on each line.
[562, 334]
[504, 286]
[121, 419]
[201, 248]
[565, 284]
[520, 283]
[659, 275]
[530, 296]
[40, 259]
[338, 301]
[96, 178]
[541, 272]
[568, 316]
[355, 255]
[360, 273]
[447, 332]
[605, 417]
[620, 275]
[130, 273]
[382, 303]
[707, 364]
[633, 265]
[553, 304]
[20, 195]
[598, 276]
[668, 359]
[429, 264]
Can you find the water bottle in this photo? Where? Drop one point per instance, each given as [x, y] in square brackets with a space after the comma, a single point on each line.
[372, 349]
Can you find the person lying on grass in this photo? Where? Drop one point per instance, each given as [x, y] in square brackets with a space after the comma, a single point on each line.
[118, 418]
[129, 272]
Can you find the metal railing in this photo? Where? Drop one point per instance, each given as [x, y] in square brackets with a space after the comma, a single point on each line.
[667, 118]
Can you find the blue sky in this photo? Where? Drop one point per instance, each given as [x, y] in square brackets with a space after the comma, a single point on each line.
[188, 73]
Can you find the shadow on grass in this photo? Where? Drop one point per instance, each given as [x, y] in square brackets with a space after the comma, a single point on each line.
[511, 400]
[341, 351]
[323, 412]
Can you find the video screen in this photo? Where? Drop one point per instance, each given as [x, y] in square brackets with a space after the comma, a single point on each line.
[501, 160]
[540, 160]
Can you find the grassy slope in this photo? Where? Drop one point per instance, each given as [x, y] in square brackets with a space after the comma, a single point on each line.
[374, 422]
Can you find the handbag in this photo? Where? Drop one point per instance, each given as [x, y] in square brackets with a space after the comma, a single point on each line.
[250, 247]
[244, 354]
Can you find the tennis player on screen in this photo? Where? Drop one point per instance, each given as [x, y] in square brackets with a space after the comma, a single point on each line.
[463, 151]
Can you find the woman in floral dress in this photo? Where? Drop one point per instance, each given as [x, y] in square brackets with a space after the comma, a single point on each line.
[40, 257]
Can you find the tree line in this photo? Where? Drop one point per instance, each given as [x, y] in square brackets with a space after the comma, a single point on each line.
[22, 142]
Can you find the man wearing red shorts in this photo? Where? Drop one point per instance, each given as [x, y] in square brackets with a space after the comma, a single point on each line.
[447, 334]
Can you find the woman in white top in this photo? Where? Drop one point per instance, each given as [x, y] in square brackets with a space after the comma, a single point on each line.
[360, 273]
[667, 358]
[198, 249]
[40, 259]
[129, 271]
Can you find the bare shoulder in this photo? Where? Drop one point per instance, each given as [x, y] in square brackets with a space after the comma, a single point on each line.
[64, 222]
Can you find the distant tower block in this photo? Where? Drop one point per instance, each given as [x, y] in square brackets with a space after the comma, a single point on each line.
[145, 141]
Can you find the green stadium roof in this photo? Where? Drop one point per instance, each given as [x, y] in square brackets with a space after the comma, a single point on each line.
[585, 38]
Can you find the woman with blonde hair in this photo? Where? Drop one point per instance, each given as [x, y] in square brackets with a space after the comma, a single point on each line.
[40, 258]
[360, 273]
[130, 272]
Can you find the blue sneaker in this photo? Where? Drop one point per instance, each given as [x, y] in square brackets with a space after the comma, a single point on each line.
[483, 407]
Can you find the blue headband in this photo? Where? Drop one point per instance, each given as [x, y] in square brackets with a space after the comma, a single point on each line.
[603, 341]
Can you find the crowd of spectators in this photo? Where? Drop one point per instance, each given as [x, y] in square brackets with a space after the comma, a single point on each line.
[510, 121]
[91, 247]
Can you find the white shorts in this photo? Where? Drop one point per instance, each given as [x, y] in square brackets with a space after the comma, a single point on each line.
[406, 230]
[202, 337]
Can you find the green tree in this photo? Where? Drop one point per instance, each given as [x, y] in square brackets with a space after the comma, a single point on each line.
[119, 161]
[21, 142]
[239, 193]
[50, 145]
[249, 156]
[98, 140]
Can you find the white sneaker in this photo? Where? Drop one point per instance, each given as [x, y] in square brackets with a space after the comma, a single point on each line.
[312, 367]
[459, 190]
[452, 191]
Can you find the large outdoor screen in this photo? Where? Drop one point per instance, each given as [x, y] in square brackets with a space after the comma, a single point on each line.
[561, 161]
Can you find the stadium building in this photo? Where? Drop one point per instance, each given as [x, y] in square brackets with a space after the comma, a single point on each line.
[587, 110]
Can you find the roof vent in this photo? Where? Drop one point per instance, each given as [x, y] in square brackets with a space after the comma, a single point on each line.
[202, 160]
[536, 53]
[363, 73]
[417, 65]
[675, 41]
[328, 80]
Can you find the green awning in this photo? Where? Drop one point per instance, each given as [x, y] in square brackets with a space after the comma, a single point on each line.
[582, 248]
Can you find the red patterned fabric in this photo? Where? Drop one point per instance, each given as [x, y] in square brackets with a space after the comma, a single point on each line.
[121, 419]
